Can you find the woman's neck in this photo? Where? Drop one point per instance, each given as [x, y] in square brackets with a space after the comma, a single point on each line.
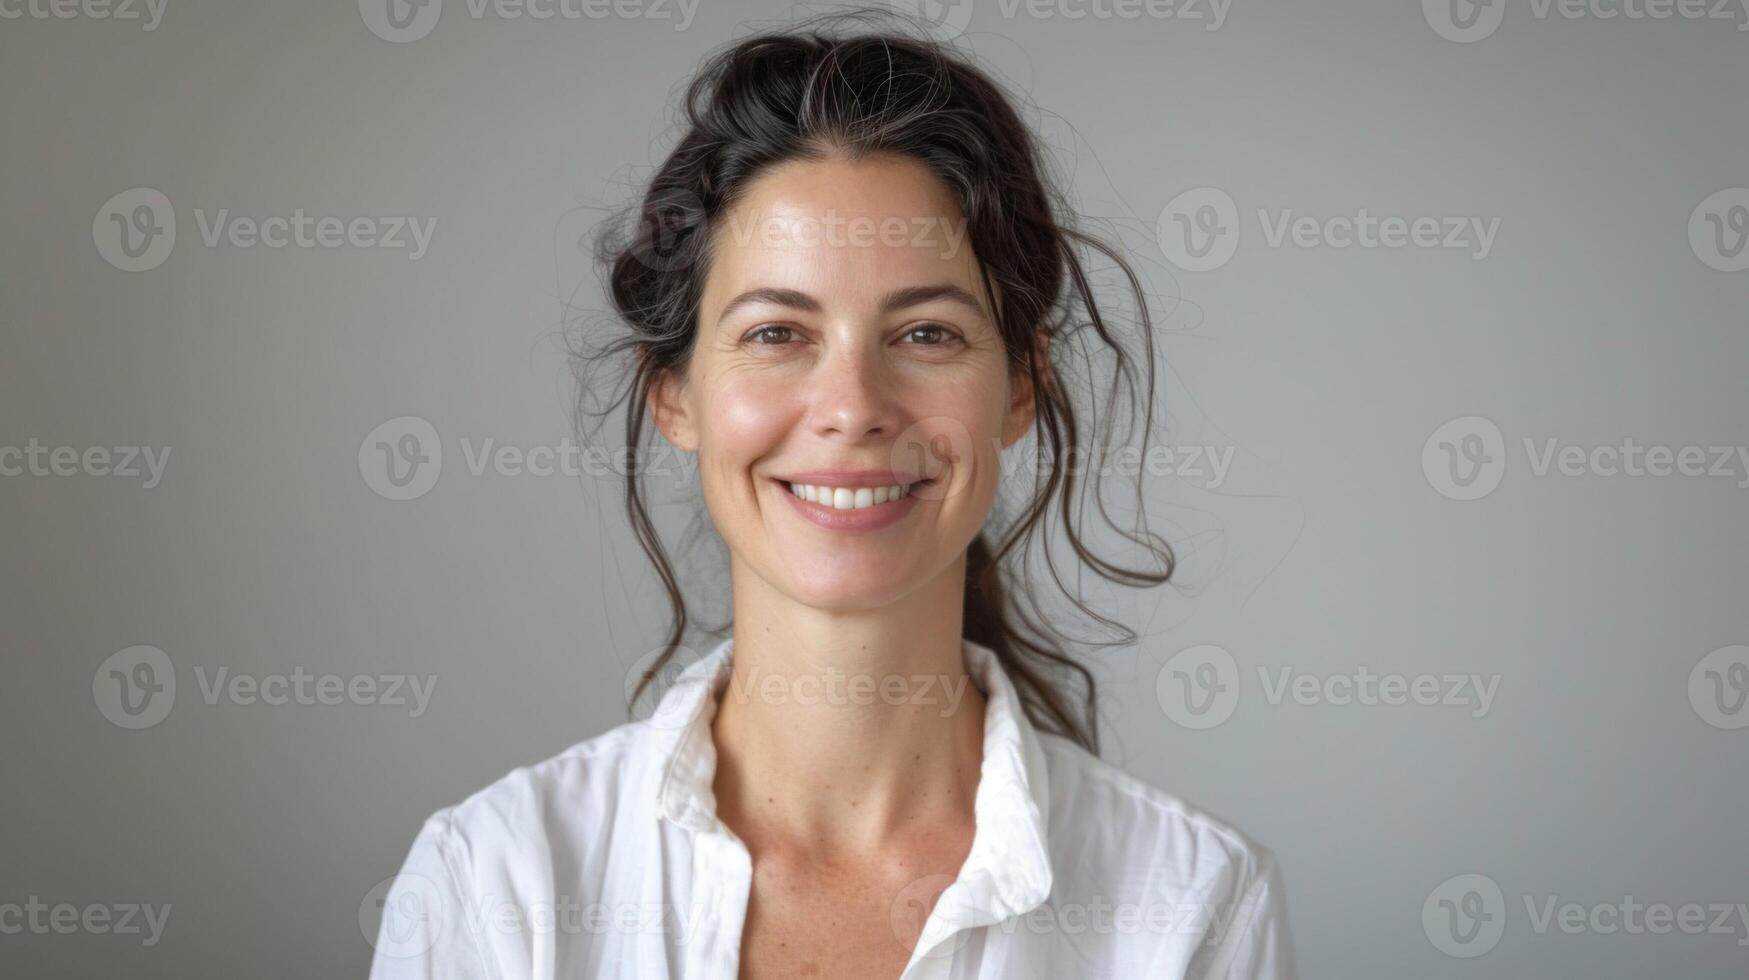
[841, 732]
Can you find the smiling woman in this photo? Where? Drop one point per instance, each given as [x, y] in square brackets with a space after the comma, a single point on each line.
[849, 292]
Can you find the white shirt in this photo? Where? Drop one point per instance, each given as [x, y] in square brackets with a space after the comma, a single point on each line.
[608, 860]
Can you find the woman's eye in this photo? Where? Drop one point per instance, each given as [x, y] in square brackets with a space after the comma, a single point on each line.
[936, 335]
[773, 334]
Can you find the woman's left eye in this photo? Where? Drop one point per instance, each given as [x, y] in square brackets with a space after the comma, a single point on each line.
[940, 335]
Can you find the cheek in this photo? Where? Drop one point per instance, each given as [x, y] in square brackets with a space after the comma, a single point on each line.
[959, 424]
[976, 405]
[745, 419]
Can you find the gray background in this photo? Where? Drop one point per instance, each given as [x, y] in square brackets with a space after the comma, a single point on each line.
[1591, 598]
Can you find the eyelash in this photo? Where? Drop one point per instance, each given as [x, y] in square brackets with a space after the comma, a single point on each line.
[949, 336]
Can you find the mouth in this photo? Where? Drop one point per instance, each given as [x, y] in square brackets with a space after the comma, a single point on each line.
[852, 500]
[842, 497]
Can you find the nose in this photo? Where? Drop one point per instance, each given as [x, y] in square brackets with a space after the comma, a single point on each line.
[853, 395]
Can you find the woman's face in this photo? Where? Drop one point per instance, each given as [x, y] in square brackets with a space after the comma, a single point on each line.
[845, 348]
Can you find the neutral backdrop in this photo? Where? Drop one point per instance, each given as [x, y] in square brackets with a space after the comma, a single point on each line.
[1387, 506]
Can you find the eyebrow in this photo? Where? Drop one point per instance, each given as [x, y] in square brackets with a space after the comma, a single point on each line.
[898, 299]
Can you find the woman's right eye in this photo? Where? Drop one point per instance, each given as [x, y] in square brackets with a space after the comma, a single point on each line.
[767, 331]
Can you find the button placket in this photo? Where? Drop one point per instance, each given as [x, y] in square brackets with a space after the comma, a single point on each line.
[723, 869]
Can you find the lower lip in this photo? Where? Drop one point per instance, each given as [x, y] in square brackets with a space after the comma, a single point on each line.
[856, 519]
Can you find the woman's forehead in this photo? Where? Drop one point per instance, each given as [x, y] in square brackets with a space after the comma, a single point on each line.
[876, 184]
[857, 228]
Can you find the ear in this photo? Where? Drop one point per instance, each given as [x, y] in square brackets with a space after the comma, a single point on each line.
[668, 411]
[1023, 404]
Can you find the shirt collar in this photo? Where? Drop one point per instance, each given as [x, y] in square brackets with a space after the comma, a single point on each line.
[1007, 871]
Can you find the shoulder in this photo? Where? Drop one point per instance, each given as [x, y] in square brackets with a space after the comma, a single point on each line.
[1117, 833]
[1188, 893]
[531, 843]
[1088, 791]
[557, 805]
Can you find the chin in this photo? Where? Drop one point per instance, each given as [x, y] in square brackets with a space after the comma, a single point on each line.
[849, 590]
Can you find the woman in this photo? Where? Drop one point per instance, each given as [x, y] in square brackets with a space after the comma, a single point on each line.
[848, 293]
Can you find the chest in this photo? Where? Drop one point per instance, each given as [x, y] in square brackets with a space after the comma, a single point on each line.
[811, 922]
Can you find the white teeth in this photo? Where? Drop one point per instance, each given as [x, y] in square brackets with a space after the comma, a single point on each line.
[845, 498]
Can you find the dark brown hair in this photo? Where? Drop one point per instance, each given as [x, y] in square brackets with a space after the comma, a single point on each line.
[842, 84]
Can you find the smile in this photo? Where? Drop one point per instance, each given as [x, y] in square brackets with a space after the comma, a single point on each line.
[849, 498]
[852, 502]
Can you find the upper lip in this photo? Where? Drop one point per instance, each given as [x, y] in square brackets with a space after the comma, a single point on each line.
[852, 479]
